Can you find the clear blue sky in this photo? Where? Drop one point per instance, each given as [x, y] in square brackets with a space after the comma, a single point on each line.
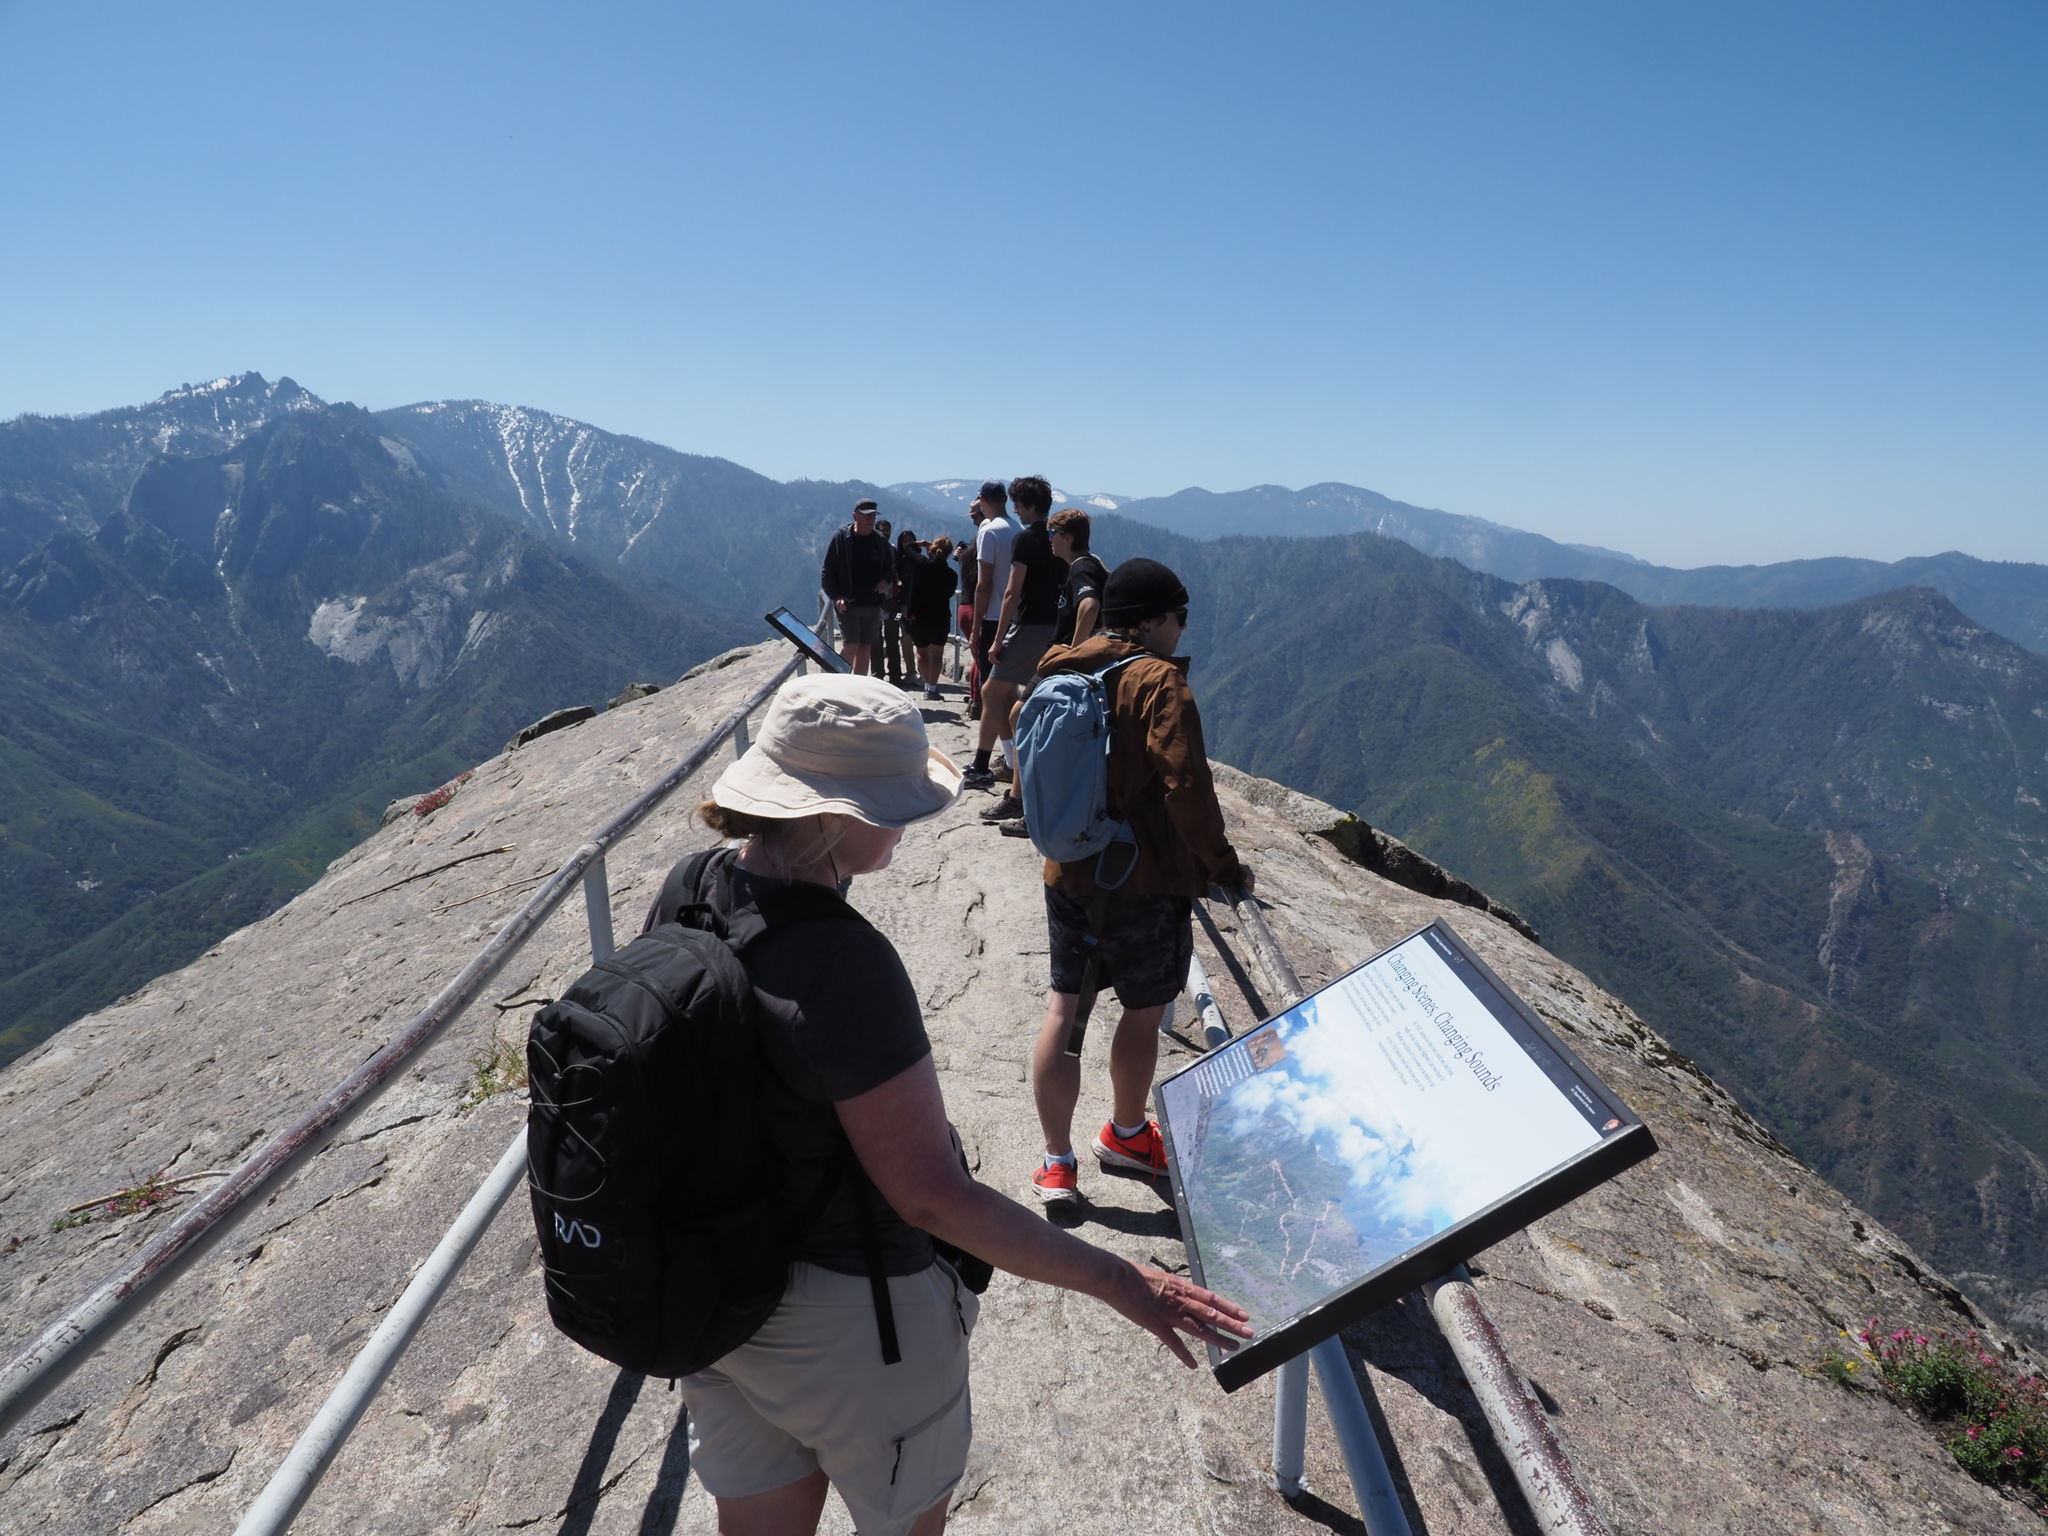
[1729, 282]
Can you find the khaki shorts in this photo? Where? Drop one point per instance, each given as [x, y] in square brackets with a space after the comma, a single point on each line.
[1023, 645]
[810, 1390]
[861, 624]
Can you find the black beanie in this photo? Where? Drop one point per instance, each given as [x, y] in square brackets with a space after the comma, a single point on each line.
[1141, 589]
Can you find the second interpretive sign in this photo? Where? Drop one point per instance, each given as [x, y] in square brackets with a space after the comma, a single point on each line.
[1401, 1119]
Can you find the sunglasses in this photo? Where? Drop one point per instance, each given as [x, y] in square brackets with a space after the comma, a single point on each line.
[1180, 616]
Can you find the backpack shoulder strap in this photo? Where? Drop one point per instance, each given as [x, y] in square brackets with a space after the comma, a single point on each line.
[1102, 672]
[686, 887]
[782, 905]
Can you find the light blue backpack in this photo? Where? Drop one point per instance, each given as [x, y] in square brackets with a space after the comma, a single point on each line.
[1063, 766]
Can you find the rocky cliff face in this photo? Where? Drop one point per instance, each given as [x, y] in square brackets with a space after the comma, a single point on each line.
[1669, 1322]
[719, 534]
[74, 471]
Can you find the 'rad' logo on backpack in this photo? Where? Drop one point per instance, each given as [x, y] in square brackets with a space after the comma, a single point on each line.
[577, 1232]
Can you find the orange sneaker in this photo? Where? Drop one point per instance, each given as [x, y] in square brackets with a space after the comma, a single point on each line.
[1056, 1183]
[1145, 1152]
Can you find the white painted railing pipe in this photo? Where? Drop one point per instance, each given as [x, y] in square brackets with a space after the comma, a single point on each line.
[1214, 1031]
[1371, 1479]
[293, 1483]
[1547, 1477]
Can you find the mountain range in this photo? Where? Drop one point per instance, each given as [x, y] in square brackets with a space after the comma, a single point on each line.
[2008, 596]
[217, 688]
[1812, 844]
[1808, 840]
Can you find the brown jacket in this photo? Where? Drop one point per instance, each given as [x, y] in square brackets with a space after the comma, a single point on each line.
[1158, 775]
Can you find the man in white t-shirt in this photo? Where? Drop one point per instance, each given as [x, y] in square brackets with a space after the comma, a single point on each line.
[993, 536]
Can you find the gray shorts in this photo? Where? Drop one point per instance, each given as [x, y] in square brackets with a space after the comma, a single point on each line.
[810, 1390]
[1023, 645]
[1146, 945]
[861, 624]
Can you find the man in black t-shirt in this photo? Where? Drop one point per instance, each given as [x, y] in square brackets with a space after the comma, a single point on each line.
[1081, 597]
[858, 574]
[1031, 607]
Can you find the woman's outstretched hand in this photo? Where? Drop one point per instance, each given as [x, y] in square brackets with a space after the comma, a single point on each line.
[1169, 1305]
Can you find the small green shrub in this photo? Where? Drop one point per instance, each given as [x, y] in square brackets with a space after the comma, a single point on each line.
[1999, 1415]
[140, 1196]
[500, 1068]
[1842, 1369]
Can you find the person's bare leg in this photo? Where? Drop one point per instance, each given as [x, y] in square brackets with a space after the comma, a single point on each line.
[860, 658]
[791, 1510]
[1133, 1054]
[1056, 1076]
[933, 1520]
[996, 698]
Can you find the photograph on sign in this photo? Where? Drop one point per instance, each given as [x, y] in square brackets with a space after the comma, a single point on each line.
[1400, 1119]
[790, 627]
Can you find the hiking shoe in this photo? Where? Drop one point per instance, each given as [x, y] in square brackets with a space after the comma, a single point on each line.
[974, 710]
[1014, 828]
[1056, 1183]
[1002, 770]
[933, 693]
[1006, 809]
[1144, 1152]
[977, 778]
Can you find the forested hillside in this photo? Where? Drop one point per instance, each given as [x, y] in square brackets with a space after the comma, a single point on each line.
[1811, 844]
[217, 690]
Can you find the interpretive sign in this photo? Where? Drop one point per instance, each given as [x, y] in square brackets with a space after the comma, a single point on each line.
[790, 627]
[1398, 1121]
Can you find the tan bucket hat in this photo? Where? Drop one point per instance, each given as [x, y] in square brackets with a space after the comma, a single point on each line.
[840, 743]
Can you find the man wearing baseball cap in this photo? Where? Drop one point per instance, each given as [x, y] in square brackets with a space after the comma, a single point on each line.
[1159, 782]
[858, 575]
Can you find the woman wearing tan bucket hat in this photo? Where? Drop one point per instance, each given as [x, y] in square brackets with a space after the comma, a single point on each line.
[840, 767]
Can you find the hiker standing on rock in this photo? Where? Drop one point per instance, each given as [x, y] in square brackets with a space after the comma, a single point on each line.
[1024, 629]
[858, 574]
[994, 533]
[931, 611]
[840, 767]
[1081, 598]
[1159, 783]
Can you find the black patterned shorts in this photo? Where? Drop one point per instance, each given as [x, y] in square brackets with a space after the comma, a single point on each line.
[1146, 945]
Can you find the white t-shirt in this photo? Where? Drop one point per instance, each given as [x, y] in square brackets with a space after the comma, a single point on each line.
[992, 542]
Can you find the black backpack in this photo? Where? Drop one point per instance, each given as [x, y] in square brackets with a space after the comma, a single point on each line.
[667, 1219]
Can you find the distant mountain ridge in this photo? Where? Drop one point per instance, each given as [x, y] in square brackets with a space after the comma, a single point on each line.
[2009, 597]
[705, 528]
[215, 690]
[955, 496]
[73, 471]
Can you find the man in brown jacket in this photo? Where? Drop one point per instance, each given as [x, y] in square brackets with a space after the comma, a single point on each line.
[1159, 783]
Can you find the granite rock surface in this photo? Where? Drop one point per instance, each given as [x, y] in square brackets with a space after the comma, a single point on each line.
[1669, 1323]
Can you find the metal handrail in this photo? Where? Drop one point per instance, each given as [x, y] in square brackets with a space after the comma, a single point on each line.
[1541, 1466]
[67, 1342]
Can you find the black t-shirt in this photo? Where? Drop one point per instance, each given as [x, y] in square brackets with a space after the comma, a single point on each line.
[932, 584]
[854, 563]
[1044, 574]
[837, 1016]
[1085, 576]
